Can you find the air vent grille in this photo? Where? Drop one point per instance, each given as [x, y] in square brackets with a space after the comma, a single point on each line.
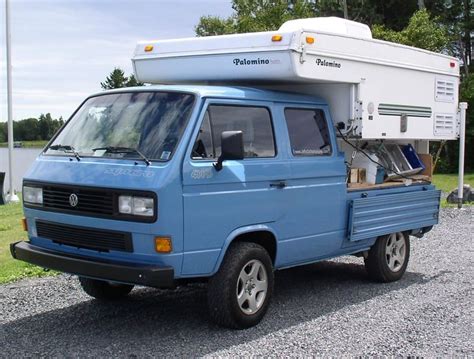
[444, 91]
[444, 124]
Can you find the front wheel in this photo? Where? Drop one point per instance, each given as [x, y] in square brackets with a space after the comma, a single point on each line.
[102, 290]
[239, 293]
[388, 258]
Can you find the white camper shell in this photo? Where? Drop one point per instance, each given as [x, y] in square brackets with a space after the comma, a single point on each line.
[378, 89]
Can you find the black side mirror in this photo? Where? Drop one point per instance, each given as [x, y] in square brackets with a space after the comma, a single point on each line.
[232, 146]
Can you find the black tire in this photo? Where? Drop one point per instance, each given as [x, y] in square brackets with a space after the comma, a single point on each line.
[223, 287]
[377, 262]
[104, 290]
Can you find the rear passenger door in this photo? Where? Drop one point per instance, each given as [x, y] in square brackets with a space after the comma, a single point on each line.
[316, 188]
[243, 193]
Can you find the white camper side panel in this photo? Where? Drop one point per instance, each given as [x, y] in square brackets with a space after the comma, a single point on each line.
[219, 67]
[241, 57]
[404, 93]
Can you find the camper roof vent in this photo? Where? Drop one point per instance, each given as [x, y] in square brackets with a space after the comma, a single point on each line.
[334, 25]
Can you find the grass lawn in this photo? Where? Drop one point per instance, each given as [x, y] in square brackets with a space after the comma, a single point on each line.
[27, 144]
[448, 182]
[12, 231]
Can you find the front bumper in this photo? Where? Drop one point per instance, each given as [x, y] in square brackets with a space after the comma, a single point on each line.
[147, 275]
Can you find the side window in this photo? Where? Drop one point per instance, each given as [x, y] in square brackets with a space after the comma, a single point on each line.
[309, 133]
[254, 122]
[204, 147]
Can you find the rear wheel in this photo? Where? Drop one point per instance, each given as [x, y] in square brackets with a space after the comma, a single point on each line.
[104, 290]
[239, 293]
[388, 258]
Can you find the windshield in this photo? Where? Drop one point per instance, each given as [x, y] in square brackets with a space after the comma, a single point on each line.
[150, 122]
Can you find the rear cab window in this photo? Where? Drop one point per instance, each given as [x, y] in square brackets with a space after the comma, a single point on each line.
[308, 131]
[255, 122]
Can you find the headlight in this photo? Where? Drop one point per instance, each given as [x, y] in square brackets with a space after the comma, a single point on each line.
[139, 206]
[33, 195]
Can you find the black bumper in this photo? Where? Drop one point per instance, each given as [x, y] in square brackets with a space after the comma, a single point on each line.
[161, 277]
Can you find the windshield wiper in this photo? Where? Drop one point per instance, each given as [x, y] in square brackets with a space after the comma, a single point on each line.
[113, 149]
[66, 148]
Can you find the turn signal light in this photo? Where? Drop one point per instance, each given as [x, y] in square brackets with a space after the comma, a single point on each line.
[24, 224]
[148, 48]
[309, 40]
[163, 245]
[276, 38]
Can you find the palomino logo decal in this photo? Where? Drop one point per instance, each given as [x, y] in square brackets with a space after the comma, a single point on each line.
[259, 61]
[322, 62]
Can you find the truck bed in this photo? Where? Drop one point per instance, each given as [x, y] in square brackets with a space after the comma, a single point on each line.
[378, 212]
[419, 179]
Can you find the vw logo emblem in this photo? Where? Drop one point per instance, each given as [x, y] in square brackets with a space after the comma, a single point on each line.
[73, 200]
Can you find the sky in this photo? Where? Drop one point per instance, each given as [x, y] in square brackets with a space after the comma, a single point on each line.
[63, 49]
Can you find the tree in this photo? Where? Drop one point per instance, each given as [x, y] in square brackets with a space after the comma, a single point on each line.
[422, 31]
[132, 82]
[264, 15]
[467, 95]
[117, 79]
[455, 16]
[254, 16]
[3, 132]
[48, 126]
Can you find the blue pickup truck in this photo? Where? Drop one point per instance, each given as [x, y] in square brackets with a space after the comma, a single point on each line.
[164, 185]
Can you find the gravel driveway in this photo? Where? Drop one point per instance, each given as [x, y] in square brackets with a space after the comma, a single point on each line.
[329, 308]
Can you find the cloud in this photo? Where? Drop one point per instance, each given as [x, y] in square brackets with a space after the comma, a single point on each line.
[63, 49]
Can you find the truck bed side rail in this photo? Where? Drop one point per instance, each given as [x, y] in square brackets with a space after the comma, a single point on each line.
[371, 217]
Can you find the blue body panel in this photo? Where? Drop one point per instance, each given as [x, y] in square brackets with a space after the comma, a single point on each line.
[388, 213]
[204, 210]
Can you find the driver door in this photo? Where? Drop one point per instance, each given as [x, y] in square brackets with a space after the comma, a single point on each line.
[243, 193]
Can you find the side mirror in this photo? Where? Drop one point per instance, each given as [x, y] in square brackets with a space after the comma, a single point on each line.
[232, 146]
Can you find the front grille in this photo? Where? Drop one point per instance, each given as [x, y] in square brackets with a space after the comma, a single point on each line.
[93, 201]
[100, 202]
[82, 237]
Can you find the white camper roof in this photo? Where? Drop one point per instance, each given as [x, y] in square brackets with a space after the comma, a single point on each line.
[331, 25]
[260, 57]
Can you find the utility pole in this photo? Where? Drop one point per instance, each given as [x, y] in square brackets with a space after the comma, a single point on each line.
[12, 197]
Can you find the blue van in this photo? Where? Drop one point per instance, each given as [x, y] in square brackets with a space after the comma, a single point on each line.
[163, 185]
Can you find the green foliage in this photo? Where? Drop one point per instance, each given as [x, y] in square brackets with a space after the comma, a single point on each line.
[254, 16]
[422, 31]
[132, 82]
[264, 15]
[448, 182]
[32, 129]
[212, 25]
[117, 79]
[467, 95]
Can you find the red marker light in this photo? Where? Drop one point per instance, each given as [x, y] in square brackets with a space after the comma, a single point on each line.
[452, 64]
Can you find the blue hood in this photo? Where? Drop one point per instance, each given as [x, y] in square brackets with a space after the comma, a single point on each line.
[98, 172]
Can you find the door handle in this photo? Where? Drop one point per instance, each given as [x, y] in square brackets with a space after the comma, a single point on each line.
[279, 184]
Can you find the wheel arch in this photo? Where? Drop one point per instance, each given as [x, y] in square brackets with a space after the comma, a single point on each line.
[260, 234]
